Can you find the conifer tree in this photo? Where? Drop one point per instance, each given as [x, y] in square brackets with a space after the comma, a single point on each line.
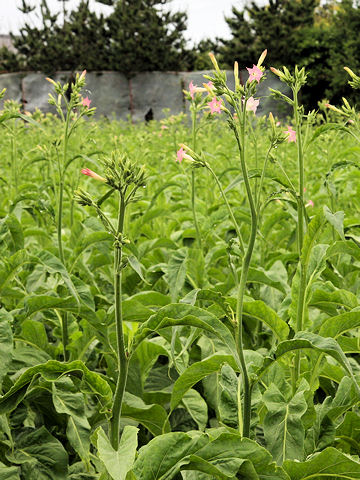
[146, 37]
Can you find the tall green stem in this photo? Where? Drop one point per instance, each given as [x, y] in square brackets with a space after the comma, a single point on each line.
[231, 213]
[300, 233]
[122, 359]
[193, 125]
[244, 275]
[65, 334]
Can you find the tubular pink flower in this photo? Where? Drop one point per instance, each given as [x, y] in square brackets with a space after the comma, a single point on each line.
[180, 155]
[254, 73]
[252, 104]
[192, 89]
[291, 133]
[310, 204]
[90, 173]
[215, 105]
[86, 102]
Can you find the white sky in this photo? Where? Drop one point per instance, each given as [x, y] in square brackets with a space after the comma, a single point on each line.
[205, 17]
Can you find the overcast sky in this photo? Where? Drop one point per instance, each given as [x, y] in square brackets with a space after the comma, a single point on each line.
[205, 17]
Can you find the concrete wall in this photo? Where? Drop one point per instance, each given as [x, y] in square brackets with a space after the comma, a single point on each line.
[143, 97]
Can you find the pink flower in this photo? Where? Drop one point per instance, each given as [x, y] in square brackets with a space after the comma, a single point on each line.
[180, 155]
[86, 102]
[215, 105]
[164, 127]
[90, 173]
[254, 73]
[252, 104]
[192, 89]
[210, 84]
[310, 204]
[278, 124]
[291, 133]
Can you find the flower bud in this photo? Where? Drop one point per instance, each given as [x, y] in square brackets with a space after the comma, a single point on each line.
[262, 58]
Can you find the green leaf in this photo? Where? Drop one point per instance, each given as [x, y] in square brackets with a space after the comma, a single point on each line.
[196, 372]
[336, 220]
[283, 428]
[325, 345]
[6, 343]
[335, 326]
[182, 314]
[330, 463]
[9, 473]
[52, 371]
[223, 456]
[16, 232]
[228, 401]
[53, 265]
[72, 403]
[136, 266]
[330, 301]
[35, 334]
[11, 267]
[118, 462]
[176, 272]
[340, 248]
[40, 455]
[258, 310]
[197, 408]
[153, 417]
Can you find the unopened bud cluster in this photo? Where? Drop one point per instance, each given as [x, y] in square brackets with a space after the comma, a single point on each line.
[121, 172]
[75, 95]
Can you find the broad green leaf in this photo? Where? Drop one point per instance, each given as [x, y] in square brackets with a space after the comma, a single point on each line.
[330, 463]
[9, 473]
[118, 462]
[72, 403]
[303, 340]
[329, 302]
[348, 433]
[222, 456]
[6, 343]
[196, 372]
[228, 401]
[35, 334]
[336, 220]
[258, 275]
[182, 314]
[340, 248]
[54, 265]
[153, 417]
[283, 428]
[197, 408]
[16, 233]
[51, 371]
[176, 272]
[40, 455]
[324, 345]
[335, 326]
[258, 310]
[11, 267]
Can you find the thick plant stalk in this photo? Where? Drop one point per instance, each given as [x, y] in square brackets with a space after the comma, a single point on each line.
[122, 359]
[65, 334]
[300, 235]
[193, 196]
[244, 275]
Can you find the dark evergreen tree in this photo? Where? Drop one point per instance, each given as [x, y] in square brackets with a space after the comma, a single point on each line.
[146, 37]
[344, 49]
[79, 41]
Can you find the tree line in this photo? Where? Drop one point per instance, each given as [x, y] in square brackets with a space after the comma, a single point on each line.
[144, 35]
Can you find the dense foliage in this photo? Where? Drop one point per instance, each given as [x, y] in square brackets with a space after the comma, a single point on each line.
[139, 35]
[190, 320]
